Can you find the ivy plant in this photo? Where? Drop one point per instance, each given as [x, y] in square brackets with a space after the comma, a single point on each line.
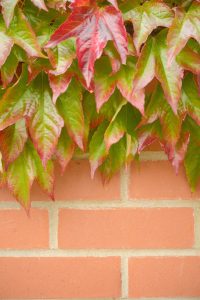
[107, 78]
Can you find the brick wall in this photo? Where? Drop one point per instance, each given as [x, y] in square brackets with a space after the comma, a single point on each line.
[136, 238]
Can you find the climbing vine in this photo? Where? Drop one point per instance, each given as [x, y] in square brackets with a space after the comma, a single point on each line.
[107, 78]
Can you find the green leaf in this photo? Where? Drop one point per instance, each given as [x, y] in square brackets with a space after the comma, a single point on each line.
[145, 68]
[105, 82]
[115, 160]
[123, 122]
[146, 18]
[70, 107]
[23, 35]
[9, 68]
[44, 176]
[45, 124]
[66, 52]
[124, 81]
[65, 149]
[8, 7]
[14, 103]
[191, 98]
[192, 163]
[12, 141]
[185, 26]
[20, 176]
[171, 76]
[189, 60]
[97, 148]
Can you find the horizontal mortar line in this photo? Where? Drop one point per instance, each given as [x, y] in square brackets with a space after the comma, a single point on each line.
[158, 298]
[97, 204]
[145, 155]
[122, 298]
[99, 252]
[104, 204]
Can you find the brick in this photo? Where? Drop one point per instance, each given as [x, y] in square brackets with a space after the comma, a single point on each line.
[18, 231]
[49, 278]
[126, 228]
[76, 184]
[157, 180]
[164, 277]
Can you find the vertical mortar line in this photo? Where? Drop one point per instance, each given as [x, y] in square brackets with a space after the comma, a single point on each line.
[53, 226]
[124, 277]
[124, 176]
[197, 228]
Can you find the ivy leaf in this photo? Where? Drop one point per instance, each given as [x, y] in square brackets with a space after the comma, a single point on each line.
[124, 82]
[9, 68]
[171, 76]
[97, 148]
[124, 121]
[158, 108]
[45, 124]
[114, 161]
[8, 7]
[93, 27]
[23, 35]
[12, 141]
[105, 82]
[192, 164]
[65, 149]
[66, 52]
[70, 107]
[189, 60]
[145, 68]
[20, 176]
[40, 4]
[44, 176]
[185, 26]
[6, 46]
[191, 98]
[176, 153]
[147, 134]
[146, 18]
[59, 84]
[15, 104]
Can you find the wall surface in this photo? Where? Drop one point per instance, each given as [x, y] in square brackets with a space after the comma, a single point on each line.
[136, 238]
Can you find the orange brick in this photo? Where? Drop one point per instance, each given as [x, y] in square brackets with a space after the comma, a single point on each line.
[19, 231]
[164, 277]
[47, 278]
[126, 228]
[157, 180]
[76, 184]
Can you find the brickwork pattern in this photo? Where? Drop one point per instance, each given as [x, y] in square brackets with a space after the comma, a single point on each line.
[136, 238]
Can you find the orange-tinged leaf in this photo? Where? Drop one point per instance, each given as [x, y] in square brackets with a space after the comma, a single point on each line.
[185, 26]
[171, 76]
[45, 124]
[8, 7]
[20, 176]
[6, 46]
[12, 141]
[146, 18]
[23, 35]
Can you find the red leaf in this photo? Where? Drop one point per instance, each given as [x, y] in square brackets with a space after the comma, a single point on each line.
[59, 84]
[93, 27]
